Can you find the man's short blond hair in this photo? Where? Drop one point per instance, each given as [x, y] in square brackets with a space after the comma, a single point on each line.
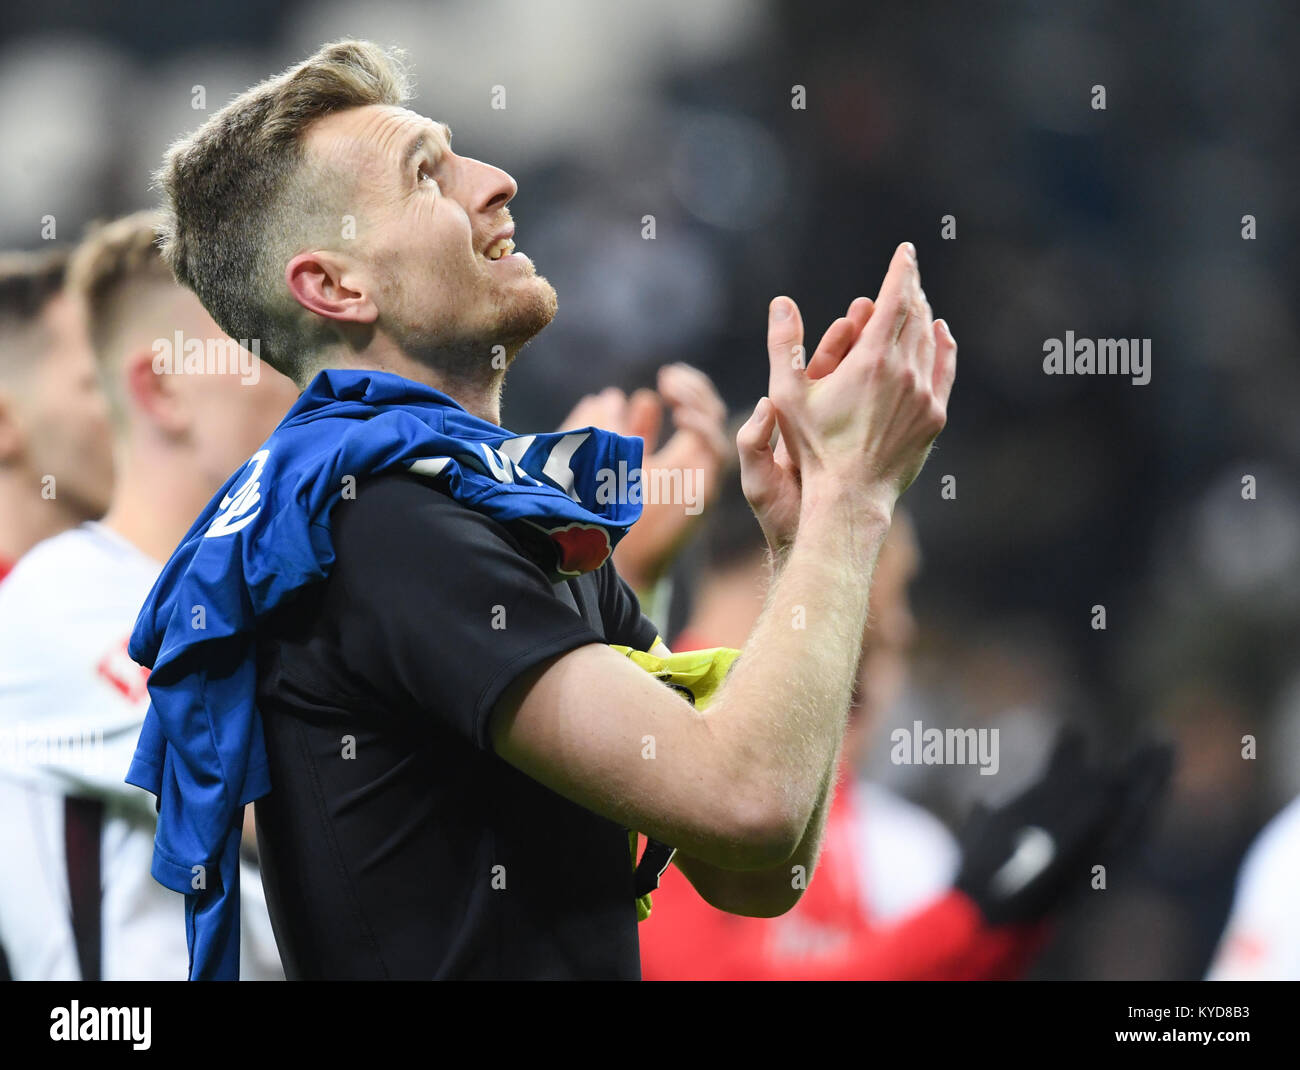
[113, 271]
[241, 198]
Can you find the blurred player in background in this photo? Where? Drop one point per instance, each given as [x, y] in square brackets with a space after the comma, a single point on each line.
[1261, 941]
[56, 457]
[882, 904]
[77, 899]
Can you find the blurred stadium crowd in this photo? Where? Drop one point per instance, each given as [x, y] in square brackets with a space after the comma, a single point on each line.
[1071, 492]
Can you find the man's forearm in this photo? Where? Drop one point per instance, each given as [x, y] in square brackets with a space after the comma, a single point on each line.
[803, 862]
[764, 893]
[809, 850]
[781, 716]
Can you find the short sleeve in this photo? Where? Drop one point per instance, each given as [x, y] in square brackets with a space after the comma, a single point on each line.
[620, 609]
[438, 610]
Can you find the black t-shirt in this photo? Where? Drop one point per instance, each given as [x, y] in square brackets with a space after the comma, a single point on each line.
[395, 843]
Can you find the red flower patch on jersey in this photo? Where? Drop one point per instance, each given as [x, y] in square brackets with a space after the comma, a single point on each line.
[580, 548]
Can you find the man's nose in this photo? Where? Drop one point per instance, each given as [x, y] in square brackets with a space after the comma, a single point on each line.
[493, 188]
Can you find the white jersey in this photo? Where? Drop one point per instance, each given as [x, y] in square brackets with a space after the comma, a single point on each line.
[72, 703]
[1262, 939]
[906, 857]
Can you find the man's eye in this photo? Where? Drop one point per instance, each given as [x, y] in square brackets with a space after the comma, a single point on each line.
[426, 176]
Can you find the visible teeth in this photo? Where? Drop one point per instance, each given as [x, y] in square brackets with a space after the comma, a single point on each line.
[499, 248]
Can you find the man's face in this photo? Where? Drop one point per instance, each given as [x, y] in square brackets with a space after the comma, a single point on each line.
[65, 417]
[426, 220]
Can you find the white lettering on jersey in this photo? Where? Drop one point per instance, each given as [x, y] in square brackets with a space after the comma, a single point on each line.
[503, 467]
[429, 466]
[559, 464]
[237, 510]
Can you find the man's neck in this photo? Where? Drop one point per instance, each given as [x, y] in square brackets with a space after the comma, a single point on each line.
[478, 391]
[480, 399]
[156, 498]
[25, 516]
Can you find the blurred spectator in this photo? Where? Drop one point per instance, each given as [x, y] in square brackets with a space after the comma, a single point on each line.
[56, 457]
[1262, 938]
[893, 896]
[77, 898]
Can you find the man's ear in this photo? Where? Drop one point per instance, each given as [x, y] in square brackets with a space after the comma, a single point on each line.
[155, 392]
[330, 286]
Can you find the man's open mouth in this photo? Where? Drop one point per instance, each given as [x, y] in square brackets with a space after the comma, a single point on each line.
[499, 248]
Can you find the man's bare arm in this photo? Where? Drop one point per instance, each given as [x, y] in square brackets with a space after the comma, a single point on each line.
[729, 786]
[738, 786]
[766, 893]
[763, 893]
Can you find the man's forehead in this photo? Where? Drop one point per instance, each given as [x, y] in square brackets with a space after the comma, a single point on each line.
[373, 131]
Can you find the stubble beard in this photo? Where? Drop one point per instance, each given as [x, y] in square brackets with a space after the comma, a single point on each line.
[517, 318]
[481, 354]
[522, 317]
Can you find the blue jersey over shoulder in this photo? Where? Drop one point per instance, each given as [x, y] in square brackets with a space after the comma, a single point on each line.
[265, 535]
